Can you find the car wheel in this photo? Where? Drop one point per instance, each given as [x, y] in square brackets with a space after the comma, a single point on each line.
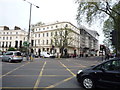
[9, 60]
[2, 60]
[88, 83]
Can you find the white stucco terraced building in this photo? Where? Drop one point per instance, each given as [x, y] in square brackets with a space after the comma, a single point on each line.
[44, 37]
[11, 37]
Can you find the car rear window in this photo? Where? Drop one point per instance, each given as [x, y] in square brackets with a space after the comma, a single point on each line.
[9, 53]
[18, 54]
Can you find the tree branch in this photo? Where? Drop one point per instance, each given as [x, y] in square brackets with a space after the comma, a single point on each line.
[112, 9]
[105, 11]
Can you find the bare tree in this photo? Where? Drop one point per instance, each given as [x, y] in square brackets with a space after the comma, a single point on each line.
[62, 39]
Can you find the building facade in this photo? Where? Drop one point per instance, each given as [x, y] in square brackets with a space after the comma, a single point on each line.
[44, 37]
[11, 38]
[89, 44]
[53, 38]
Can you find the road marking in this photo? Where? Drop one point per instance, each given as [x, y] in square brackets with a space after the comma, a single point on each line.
[11, 88]
[67, 69]
[80, 65]
[39, 77]
[56, 84]
[14, 70]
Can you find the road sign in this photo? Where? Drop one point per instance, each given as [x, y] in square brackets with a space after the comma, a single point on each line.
[25, 43]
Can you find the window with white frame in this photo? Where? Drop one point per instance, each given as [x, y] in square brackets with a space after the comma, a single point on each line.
[43, 42]
[47, 34]
[3, 38]
[47, 42]
[43, 34]
[51, 33]
[6, 38]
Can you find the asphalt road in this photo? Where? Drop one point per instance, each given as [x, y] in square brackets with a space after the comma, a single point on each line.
[44, 73]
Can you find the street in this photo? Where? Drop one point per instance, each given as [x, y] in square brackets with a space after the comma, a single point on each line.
[45, 73]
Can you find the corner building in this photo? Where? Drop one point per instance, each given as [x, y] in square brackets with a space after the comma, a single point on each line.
[43, 37]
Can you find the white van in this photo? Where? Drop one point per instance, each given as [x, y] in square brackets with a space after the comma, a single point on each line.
[45, 54]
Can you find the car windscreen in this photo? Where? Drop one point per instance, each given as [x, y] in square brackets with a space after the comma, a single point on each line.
[18, 54]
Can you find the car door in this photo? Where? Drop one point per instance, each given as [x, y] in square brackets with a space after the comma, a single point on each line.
[104, 74]
[4, 57]
[108, 73]
[8, 55]
[116, 72]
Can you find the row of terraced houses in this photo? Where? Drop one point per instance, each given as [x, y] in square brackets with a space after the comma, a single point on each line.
[79, 40]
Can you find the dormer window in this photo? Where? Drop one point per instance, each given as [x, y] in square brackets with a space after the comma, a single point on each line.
[66, 25]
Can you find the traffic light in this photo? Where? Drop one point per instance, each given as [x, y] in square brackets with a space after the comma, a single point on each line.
[113, 37]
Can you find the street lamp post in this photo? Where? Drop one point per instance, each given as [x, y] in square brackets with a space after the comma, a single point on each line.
[28, 37]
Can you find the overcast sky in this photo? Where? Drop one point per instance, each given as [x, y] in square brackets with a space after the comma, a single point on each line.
[16, 13]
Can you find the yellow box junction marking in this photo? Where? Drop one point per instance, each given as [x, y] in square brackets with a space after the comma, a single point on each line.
[39, 77]
[67, 69]
[14, 70]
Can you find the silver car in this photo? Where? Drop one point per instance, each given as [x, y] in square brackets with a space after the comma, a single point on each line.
[12, 56]
[1, 55]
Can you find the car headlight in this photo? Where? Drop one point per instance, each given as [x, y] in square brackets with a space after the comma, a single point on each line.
[79, 71]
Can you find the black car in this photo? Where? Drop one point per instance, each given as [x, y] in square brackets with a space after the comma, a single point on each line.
[104, 75]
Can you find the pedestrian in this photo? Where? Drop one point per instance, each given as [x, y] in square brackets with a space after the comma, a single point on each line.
[32, 56]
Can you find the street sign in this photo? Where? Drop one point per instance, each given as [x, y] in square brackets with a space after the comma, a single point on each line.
[25, 43]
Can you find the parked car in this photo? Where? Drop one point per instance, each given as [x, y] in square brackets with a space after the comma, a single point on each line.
[12, 56]
[1, 55]
[106, 74]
